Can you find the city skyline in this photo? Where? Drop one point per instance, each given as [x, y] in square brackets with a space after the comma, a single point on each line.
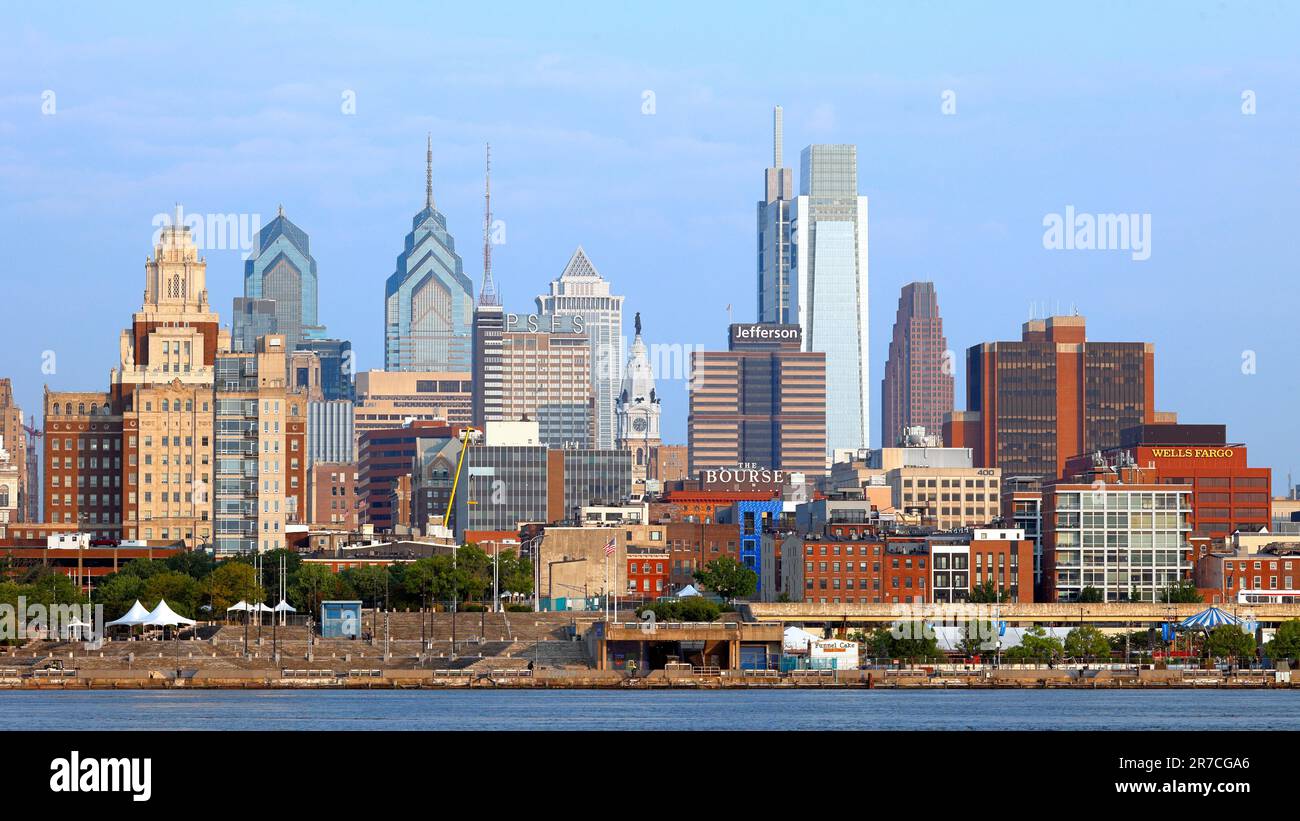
[925, 222]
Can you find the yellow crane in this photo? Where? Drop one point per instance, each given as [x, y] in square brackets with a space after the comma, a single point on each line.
[468, 436]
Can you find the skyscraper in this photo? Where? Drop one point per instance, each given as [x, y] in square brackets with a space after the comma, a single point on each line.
[428, 300]
[281, 268]
[163, 390]
[917, 388]
[829, 232]
[761, 402]
[1034, 403]
[489, 326]
[580, 290]
[775, 300]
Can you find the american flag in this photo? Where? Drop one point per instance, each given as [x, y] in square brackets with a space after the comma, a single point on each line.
[609, 547]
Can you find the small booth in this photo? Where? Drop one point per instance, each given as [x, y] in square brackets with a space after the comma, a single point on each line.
[340, 619]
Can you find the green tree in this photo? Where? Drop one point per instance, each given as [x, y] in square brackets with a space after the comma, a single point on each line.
[909, 641]
[515, 573]
[1087, 642]
[313, 584]
[987, 592]
[1183, 592]
[117, 592]
[1230, 641]
[183, 593]
[232, 581]
[1091, 595]
[728, 578]
[473, 573]
[1286, 641]
[1037, 646]
[196, 564]
[371, 581]
[48, 586]
[693, 608]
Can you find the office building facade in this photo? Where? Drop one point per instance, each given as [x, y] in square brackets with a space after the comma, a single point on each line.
[829, 233]
[1033, 404]
[1128, 541]
[428, 300]
[580, 291]
[281, 268]
[761, 402]
[331, 434]
[917, 390]
[775, 297]
[387, 399]
[336, 367]
[546, 376]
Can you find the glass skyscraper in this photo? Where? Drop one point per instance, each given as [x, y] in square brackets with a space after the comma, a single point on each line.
[281, 268]
[428, 300]
[775, 298]
[829, 261]
[581, 291]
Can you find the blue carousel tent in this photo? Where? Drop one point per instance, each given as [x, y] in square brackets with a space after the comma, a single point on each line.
[1208, 619]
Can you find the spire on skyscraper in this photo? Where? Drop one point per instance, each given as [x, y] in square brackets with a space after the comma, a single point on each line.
[488, 293]
[428, 173]
[778, 136]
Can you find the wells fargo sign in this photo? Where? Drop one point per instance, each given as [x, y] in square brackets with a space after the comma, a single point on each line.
[1192, 453]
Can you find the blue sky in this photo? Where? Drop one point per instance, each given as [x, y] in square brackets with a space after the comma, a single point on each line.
[1108, 107]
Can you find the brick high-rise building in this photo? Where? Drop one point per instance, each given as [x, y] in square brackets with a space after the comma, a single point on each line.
[83, 469]
[334, 500]
[15, 506]
[760, 402]
[917, 388]
[1033, 404]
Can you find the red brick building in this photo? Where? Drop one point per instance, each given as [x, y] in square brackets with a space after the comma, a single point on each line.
[850, 564]
[648, 572]
[334, 498]
[1228, 494]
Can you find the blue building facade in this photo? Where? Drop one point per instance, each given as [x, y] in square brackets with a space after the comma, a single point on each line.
[752, 517]
[281, 268]
[428, 300]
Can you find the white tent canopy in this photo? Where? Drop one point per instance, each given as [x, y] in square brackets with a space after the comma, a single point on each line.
[136, 615]
[262, 608]
[285, 607]
[164, 616]
[239, 606]
[687, 592]
[796, 638]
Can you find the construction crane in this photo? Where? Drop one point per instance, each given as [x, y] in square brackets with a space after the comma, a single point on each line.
[468, 437]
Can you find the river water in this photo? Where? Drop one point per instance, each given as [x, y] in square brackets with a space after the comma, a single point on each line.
[653, 710]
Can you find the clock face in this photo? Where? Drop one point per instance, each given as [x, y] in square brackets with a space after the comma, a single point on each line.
[638, 425]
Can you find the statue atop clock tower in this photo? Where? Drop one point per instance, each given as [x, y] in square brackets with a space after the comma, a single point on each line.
[637, 412]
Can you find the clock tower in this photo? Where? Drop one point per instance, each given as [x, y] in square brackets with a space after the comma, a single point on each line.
[637, 413]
